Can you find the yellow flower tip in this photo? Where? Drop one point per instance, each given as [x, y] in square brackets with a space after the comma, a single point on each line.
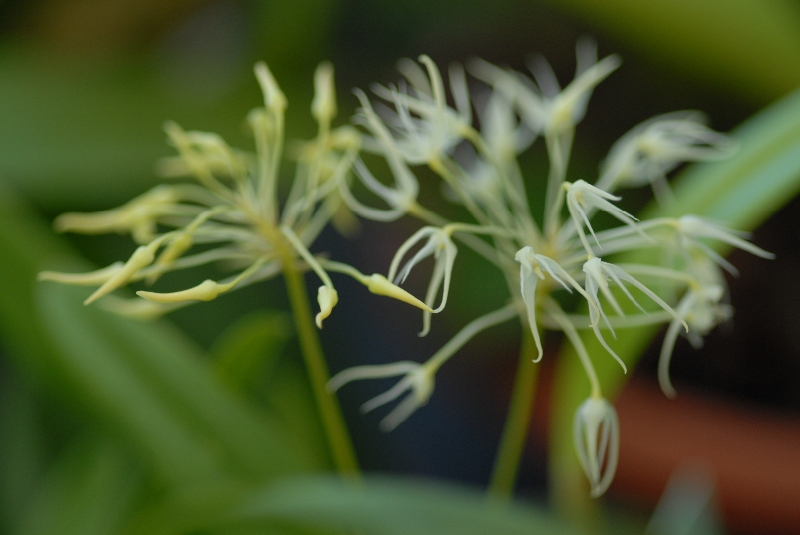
[205, 291]
[323, 107]
[346, 138]
[172, 128]
[96, 223]
[138, 309]
[91, 278]
[380, 285]
[142, 257]
[327, 298]
[274, 98]
[171, 252]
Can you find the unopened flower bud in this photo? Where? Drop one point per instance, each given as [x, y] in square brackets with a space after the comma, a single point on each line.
[327, 297]
[596, 437]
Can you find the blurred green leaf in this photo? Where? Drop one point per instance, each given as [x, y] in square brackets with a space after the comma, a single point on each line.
[380, 505]
[392, 506]
[249, 350]
[22, 447]
[88, 491]
[155, 385]
[748, 46]
[250, 357]
[81, 135]
[741, 192]
[145, 380]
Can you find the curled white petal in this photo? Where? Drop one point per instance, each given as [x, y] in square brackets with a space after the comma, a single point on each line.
[530, 266]
[695, 227]
[657, 146]
[583, 198]
[418, 381]
[439, 245]
[598, 274]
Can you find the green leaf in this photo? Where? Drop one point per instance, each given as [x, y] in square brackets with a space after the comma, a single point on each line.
[379, 505]
[392, 506]
[249, 350]
[152, 383]
[250, 357]
[88, 491]
[747, 46]
[145, 380]
[742, 192]
[22, 446]
[79, 135]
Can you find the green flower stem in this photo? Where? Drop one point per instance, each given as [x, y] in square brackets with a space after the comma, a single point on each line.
[341, 447]
[512, 443]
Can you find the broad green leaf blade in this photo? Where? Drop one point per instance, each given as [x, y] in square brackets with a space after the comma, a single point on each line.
[146, 380]
[379, 505]
[742, 192]
[22, 447]
[249, 350]
[393, 506]
[249, 357]
[88, 491]
[750, 47]
[165, 381]
[95, 365]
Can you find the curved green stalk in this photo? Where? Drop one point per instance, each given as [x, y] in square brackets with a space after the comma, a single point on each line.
[512, 443]
[341, 447]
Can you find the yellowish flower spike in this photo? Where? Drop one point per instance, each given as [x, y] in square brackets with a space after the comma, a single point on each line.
[142, 257]
[91, 278]
[137, 217]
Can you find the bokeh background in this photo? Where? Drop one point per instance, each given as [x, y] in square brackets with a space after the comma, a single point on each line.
[85, 86]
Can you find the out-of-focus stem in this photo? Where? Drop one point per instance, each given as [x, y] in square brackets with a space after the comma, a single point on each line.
[515, 432]
[341, 447]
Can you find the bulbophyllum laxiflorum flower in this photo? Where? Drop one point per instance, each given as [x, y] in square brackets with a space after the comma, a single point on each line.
[475, 156]
[233, 212]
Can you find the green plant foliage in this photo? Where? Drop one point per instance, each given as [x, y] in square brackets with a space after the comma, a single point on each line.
[87, 491]
[146, 383]
[145, 378]
[749, 47]
[387, 506]
[252, 357]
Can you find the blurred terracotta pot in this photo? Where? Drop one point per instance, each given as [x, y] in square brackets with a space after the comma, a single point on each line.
[753, 455]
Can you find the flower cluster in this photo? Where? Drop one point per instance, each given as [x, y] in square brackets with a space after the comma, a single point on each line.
[476, 159]
[233, 212]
